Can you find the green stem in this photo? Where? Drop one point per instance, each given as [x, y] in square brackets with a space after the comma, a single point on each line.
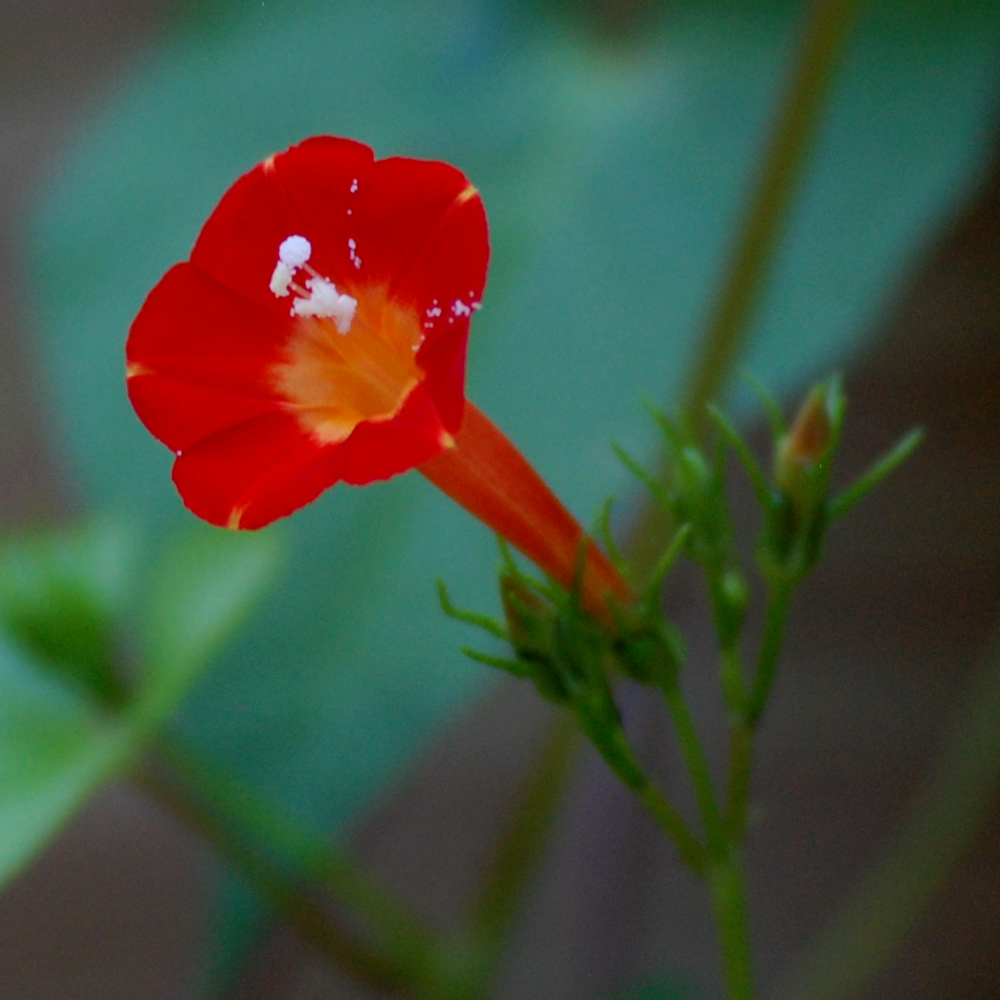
[745, 279]
[614, 748]
[779, 600]
[740, 778]
[940, 829]
[690, 849]
[697, 765]
[732, 681]
[310, 920]
[508, 877]
[312, 858]
[728, 893]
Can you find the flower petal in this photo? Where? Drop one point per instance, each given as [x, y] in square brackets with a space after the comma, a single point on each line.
[249, 475]
[303, 192]
[379, 449]
[211, 367]
[417, 228]
[199, 358]
[446, 285]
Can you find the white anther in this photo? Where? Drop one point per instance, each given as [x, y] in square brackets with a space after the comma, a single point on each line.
[325, 302]
[281, 279]
[292, 254]
[294, 251]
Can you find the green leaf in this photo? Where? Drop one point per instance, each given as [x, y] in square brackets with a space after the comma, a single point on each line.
[202, 593]
[614, 178]
[57, 746]
[60, 596]
[54, 751]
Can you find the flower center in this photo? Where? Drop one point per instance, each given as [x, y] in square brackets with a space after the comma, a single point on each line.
[348, 359]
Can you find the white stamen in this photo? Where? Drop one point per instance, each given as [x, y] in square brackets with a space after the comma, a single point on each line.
[320, 297]
[294, 251]
[292, 254]
[281, 279]
[325, 302]
[459, 308]
[354, 185]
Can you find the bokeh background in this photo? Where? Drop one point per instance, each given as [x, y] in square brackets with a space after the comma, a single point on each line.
[614, 143]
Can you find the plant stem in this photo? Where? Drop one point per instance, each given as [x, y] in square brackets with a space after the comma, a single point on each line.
[614, 748]
[740, 778]
[287, 893]
[779, 600]
[312, 857]
[745, 278]
[697, 765]
[728, 893]
[940, 829]
[731, 677]
[508, 877]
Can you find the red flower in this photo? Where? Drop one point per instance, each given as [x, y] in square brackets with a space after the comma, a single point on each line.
[318, 334]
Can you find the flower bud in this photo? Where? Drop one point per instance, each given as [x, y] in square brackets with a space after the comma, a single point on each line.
[533, 630]
[801, 464]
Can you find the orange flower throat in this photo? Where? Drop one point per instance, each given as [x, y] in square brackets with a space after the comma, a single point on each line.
[348, 359]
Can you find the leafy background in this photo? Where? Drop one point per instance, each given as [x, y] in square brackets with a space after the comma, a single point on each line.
[613, 174]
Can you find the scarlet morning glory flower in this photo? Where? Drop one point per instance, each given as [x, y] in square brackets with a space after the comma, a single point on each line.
[318, 333]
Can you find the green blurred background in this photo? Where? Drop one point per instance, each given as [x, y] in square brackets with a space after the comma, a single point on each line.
[614, 144]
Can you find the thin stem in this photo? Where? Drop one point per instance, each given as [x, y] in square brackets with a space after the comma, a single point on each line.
[697, 765]
[615, 750]
[740, 778]
[300, 907]
[745, 279]
[690, 849]
[731, 677]
[518, 853]
[312, 857]
[728, 893]
[775, 620]
[941, 827]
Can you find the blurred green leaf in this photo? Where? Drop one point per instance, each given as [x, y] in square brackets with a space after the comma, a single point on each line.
[57, 746]
[54, 751]
[201, 593]
[60, 596]
[613, 175]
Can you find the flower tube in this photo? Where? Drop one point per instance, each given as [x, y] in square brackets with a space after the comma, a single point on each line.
[318, 333]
